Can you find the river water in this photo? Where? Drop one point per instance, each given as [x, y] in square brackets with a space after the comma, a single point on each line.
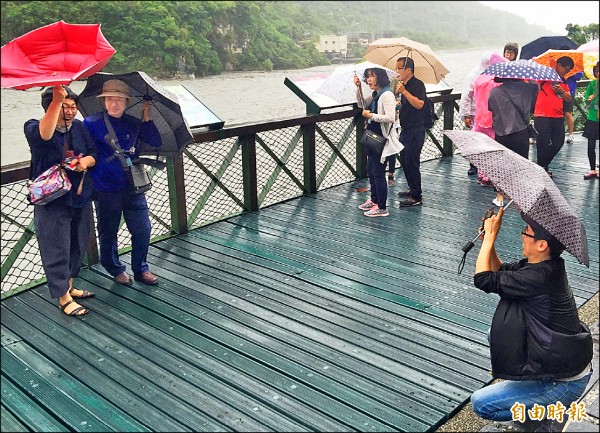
[235, 97]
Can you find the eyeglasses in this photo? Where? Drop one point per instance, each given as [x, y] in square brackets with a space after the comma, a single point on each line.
[524, 233]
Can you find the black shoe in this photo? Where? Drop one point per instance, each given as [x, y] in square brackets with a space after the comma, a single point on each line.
[402, 194]
[472, 171]
[411, 201]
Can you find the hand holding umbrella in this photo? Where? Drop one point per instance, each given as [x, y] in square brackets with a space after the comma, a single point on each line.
[146, 106]
[482, 230]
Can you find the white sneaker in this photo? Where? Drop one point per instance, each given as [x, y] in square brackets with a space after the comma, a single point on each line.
[498, 202]
[570, 138]
[366, 205]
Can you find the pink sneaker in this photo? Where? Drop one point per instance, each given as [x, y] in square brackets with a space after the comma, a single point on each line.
[374, 208]
[367, 205]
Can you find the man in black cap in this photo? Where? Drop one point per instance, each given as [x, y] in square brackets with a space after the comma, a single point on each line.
[537, 342]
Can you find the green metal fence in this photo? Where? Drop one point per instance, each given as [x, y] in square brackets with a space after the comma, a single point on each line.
[223, 174]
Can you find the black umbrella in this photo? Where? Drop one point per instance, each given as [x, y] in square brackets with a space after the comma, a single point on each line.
[166, 112]
[545, 43]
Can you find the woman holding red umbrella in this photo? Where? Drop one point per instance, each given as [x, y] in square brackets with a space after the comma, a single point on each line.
[62, 226]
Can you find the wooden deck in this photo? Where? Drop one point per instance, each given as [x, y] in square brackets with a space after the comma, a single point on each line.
[304, 316]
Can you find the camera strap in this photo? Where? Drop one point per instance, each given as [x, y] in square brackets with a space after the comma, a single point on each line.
[113, 142]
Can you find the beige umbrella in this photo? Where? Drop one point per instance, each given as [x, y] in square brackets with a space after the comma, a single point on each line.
[385, 52]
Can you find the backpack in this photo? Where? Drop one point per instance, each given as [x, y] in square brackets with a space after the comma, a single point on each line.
[430, 116]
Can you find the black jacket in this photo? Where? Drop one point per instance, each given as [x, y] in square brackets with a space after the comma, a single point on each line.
[536, 333]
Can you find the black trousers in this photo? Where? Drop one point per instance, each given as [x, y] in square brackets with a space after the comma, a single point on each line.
[518, 142]
[550, 140]
[410, 158]
[62, 233]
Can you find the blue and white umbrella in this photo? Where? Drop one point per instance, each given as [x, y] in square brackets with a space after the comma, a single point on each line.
[522, 69]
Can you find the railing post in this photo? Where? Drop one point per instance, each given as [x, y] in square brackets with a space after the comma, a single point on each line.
[92, 256]
[309, 150]
[448, 108]
[176, 181]
[248, 144]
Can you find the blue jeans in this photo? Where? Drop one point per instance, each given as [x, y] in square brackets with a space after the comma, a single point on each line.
[134, 208]
[494, 401]
[376, 173]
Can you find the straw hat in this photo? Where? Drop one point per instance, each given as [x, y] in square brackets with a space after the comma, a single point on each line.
[115, 88]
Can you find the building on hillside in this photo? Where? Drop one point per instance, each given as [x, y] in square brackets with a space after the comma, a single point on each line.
[333, 46]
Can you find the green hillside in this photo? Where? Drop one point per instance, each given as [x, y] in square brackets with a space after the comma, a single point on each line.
[165, 38]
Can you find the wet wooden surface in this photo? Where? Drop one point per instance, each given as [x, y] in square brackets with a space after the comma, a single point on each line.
[304, 316]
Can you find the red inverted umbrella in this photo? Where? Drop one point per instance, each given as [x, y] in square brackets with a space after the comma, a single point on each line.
[55, 54]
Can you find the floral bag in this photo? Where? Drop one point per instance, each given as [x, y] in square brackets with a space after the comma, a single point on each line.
[51, 184]
[48, 186]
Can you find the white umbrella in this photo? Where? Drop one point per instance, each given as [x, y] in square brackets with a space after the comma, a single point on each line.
[340, 86]
[589, 47]
[428, 67]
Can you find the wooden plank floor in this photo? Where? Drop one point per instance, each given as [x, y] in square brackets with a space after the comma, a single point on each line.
[304, 316]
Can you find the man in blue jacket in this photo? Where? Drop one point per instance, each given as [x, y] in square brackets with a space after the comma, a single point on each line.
[115, 196]
[537, 342]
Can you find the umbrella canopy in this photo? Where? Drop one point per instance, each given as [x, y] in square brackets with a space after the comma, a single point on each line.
[385, 52]
[589, 61]
[590, 57]
[550, 57]
[590, 47]
[340, 86]
[533, 192]
[55, 54]
[524, 70]
[166, 111]
[545, 43]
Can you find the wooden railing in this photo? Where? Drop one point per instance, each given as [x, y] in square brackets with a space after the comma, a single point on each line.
[224, 173]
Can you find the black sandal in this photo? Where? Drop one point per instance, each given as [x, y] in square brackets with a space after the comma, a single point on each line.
[85, 294]
[76, 311]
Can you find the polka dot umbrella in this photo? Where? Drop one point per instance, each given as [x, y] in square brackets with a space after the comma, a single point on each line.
[524, 70]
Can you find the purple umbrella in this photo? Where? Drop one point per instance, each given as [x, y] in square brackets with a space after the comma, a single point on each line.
[529, 187]
[522, 69]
